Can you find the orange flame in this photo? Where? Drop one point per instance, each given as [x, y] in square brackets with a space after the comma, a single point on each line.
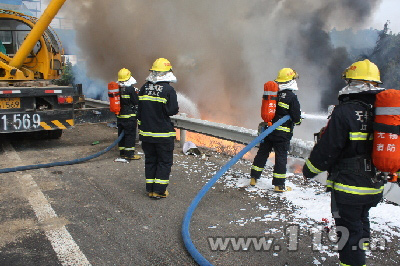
[216, 144]
[296, 168]
[299, 169]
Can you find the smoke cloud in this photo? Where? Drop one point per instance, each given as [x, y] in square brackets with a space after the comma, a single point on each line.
[222, 52]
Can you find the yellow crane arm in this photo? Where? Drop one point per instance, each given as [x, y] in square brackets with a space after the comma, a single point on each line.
[36, 32]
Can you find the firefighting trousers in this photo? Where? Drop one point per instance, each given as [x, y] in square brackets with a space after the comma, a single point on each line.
[353, 230]
[281, 151]
[127, 144]
[158, 163]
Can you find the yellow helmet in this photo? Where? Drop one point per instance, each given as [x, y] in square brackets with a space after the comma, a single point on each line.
[363, 70]
[286, 74]
[162, 65]
[124, 74]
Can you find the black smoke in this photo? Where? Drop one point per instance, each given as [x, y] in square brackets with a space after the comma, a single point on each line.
[222, 51]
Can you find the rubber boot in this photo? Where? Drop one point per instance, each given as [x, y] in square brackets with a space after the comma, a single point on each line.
[282, 188]
[160, 195]
[134, 157]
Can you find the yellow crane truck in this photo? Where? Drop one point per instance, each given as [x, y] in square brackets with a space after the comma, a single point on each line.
[31, 56]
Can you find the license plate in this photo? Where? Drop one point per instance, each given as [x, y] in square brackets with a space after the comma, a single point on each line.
[18, 122]
[10, 103]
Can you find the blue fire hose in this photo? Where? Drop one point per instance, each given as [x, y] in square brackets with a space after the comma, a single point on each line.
[186, 220]
[38, 166]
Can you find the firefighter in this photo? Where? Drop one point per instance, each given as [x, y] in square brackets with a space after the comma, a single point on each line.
[279, 139]
[2, 48]
[157, 102]
[126, 119]
[344, 150]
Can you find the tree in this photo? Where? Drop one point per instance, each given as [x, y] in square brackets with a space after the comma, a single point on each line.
[386, 55]
[67, 77]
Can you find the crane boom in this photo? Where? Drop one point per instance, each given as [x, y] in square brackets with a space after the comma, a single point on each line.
[36, 32]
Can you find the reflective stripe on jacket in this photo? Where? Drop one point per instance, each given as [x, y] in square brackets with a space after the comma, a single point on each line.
[344, 150]
[129, 102]
[353, 189]
[288, 104]
[157, 102]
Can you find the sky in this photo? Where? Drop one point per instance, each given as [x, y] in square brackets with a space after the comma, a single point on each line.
[388, 10]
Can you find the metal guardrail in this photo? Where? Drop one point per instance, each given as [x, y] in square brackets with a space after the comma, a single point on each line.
[100, 113]
[298, 148]
[233, 133]
[94, 111]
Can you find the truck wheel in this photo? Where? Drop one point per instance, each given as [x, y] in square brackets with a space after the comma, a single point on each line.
[55, 134]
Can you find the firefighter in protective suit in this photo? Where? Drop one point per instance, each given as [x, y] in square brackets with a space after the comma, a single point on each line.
[126, 119]
[157, 102]
[279, 139]
[344, 150]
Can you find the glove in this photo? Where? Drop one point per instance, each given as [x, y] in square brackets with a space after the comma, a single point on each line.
[318, 135]
[261, 127]
[307, 173]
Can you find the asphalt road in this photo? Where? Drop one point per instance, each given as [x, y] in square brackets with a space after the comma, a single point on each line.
[97, 212]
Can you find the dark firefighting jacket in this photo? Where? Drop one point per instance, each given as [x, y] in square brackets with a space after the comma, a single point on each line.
[157, 102]
[287, 104]
[129, 102]
[344, 150]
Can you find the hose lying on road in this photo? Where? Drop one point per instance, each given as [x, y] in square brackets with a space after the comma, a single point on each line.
[186, 220]
[38, 166]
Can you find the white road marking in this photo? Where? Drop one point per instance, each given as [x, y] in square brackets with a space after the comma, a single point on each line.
[67, 250]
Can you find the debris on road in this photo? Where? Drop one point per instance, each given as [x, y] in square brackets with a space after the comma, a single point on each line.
[121, 160]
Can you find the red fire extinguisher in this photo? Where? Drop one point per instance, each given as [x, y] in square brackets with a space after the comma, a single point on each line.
[115, 97]
[386, 152]
[270, 97]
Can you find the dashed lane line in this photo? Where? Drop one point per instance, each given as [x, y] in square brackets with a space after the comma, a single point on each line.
[65, 247]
